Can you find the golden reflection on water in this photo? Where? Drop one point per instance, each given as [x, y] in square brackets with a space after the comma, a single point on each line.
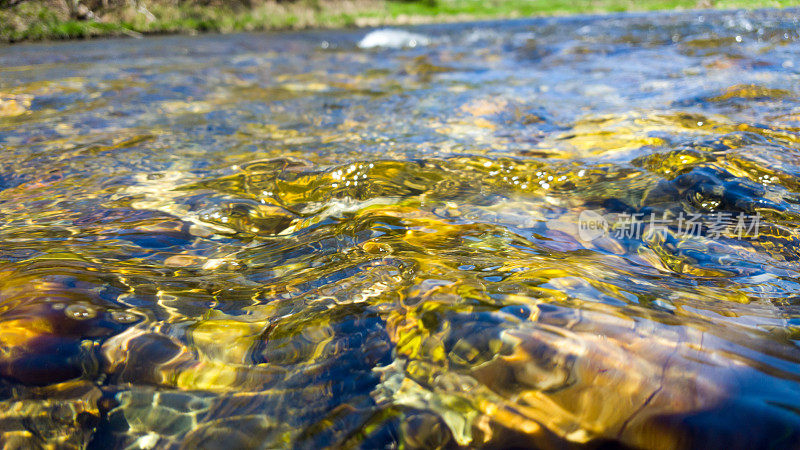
[277, 244]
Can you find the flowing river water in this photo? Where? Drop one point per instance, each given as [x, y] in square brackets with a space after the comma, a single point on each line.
[550, 233]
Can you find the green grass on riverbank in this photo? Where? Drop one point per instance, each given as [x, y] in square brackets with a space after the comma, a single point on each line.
[62, 19]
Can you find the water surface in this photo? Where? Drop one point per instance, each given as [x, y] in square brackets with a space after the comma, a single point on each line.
[287, 240]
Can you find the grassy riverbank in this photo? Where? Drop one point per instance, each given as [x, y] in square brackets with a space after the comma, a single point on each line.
[65, 19]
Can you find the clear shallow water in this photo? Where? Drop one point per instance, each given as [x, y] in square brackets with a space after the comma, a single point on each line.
[286, 240]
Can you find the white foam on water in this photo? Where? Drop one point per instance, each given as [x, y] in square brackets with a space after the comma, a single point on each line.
[390, 38]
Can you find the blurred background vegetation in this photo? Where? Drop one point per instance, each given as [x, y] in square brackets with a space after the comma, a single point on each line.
[62, 19]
